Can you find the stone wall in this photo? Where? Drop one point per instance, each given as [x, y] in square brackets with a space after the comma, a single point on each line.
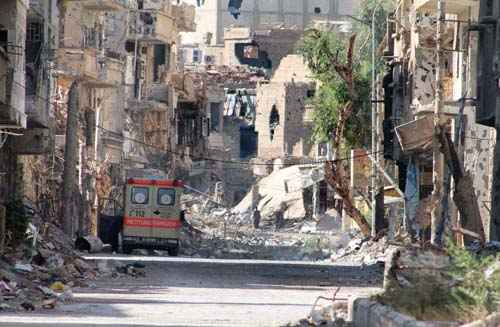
[283, 122]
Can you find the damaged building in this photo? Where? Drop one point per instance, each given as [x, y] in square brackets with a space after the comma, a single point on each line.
[86, 95]
[28, 35]
[284, 116]
[409, 90]
[215, 16]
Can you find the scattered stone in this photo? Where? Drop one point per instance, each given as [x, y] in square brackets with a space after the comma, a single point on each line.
[4, 287]
[47, 291]
[66, 296]
[28, 306]
[24, 268]
[89, 243]
[49, 304]
[5, 307]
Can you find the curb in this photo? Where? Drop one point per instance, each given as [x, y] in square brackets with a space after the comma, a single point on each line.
[364, 312]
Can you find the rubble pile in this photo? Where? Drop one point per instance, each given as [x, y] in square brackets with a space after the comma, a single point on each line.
[333, 315]
[212, 231]
[363, 251]
[282, 191]
[40, 273]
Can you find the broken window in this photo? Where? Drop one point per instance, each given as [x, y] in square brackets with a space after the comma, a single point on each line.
[248, 142]
[197, 55]
[159, 64]
[34, 32]
[34, 38]
[310, 93]
[251, 52]
[4, 36]
[214, 116]
[274, 121]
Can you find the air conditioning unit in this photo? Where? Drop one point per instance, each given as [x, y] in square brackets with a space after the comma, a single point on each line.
[209, 60]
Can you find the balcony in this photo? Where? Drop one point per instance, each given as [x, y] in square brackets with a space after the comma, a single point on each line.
[90, 67]
[152, 26]
[185, 17]
[458, 7]
[12, 108]
[106, 5]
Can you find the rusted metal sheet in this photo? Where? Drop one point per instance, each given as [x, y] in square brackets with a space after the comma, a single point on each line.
[416, 136]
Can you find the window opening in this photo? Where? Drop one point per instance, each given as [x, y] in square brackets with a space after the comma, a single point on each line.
[274, 121]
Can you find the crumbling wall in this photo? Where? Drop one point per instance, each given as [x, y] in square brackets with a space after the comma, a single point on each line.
[13, 15]
[293, 68]
[478, 161]
[271, 128]
[281, 120]
[278, 44]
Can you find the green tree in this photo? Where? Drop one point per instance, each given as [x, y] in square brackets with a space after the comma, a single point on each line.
[320, 48]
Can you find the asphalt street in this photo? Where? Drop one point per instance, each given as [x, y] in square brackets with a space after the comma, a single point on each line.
[186, 292]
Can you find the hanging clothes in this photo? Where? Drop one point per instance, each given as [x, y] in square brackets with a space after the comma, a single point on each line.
[230, 104]
[412, 196]
[249, 102]
[234, 7]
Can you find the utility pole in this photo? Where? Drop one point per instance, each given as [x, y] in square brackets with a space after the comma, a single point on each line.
[70, 156]
[375, 140]
[437, 157]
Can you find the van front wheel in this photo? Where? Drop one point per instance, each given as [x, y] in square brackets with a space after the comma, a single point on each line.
[173, 252]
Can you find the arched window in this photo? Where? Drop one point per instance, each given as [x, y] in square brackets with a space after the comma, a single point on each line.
[274, 121]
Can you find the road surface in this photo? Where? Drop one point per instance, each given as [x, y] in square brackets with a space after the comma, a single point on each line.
[186, 292]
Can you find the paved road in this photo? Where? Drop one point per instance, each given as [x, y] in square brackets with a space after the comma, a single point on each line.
[185, 292]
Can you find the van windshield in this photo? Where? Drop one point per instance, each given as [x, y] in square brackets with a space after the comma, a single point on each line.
[140, 195]
[166, 196]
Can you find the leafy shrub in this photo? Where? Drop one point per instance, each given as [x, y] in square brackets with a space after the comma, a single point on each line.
[16, 223]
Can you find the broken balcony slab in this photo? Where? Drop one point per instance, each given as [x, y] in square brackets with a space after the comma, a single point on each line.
[416, 136]
[152, 26]
[106, 5]
[459, 7]
[89, 66]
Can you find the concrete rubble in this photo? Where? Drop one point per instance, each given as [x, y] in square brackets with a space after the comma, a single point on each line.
[282, 190]
[332, 315]
[214, 231]
[41, 275]
[363, 251]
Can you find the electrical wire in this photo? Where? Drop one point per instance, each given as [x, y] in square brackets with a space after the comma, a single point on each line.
[234, 162]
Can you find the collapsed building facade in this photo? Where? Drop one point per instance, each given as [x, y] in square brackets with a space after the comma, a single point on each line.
[267, 123]
[409, 88]
[28, 35]
[94, 98]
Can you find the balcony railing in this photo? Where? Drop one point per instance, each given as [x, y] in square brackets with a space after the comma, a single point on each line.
[12, 107]
[154, 26]
[90, 66]
[452, 6]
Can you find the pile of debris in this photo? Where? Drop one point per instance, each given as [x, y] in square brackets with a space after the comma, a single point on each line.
[282, 191]
[365, 251]
[332, 315]
[41, 272]
[213, 231]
